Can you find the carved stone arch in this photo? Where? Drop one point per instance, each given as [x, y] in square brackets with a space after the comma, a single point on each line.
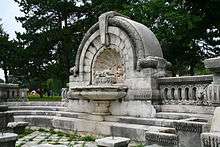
[118, 40]
[138, 48]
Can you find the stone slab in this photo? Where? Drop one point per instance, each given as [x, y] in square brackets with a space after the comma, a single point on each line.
[113, 142]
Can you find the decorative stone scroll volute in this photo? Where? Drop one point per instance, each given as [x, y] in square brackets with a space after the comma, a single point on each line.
[119, 51]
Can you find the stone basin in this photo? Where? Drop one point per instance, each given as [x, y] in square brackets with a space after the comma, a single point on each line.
[101, 96]
[100, 93]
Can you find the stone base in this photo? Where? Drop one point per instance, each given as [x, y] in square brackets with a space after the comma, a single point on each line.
[136, 108]
[113, 142]
[101, 108]
[8, 139]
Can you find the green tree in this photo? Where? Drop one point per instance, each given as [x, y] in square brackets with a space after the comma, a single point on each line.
[50, 36]
[7, 50]
[181, 27]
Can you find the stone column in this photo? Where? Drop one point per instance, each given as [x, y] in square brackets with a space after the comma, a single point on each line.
[213, 64]
[23, 94]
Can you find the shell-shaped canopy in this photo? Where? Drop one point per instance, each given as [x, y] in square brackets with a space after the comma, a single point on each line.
[114, 30]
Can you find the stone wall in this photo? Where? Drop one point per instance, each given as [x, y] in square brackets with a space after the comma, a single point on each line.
[12, 92]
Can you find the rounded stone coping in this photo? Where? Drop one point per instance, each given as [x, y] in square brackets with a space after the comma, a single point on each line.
[17, 124]
[186, 79]
[7, 137]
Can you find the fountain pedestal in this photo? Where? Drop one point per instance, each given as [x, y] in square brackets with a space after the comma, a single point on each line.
[101, 96]
[101, 108]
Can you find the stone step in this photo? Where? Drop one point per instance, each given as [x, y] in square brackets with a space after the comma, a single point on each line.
[147, 121]
[186, 109]
[133, 131]
[164, 122]
[35, 103]
[48, 113]
[45, 108]
[178, 116]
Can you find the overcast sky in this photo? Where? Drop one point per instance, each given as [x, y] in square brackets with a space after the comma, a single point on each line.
[8, 10]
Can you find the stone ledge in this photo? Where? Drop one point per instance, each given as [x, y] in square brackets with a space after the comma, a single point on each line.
[37, 103]
[186, 79]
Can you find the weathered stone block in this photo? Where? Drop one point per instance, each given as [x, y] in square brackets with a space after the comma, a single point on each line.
[113, 142]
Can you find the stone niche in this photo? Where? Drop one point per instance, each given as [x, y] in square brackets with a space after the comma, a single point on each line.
[120, 55]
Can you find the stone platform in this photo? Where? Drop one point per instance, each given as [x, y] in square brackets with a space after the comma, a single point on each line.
[140, 129]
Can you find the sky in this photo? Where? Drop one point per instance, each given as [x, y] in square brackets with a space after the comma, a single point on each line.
[8, 10]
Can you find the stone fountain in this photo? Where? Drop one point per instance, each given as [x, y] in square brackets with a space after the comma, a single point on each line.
[117, 64]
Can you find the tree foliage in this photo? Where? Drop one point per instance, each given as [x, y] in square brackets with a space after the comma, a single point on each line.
[7, 52]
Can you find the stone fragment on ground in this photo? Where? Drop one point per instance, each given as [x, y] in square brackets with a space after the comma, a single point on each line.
[113, 142]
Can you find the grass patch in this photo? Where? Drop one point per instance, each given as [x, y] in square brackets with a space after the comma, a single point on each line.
[88, 138]
[74, 136]
[44, 98]
[25, 133]
[43, 130]
[139, 145]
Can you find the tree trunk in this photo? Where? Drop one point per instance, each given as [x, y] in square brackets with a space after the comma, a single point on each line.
[6, 75]
[191, 70]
